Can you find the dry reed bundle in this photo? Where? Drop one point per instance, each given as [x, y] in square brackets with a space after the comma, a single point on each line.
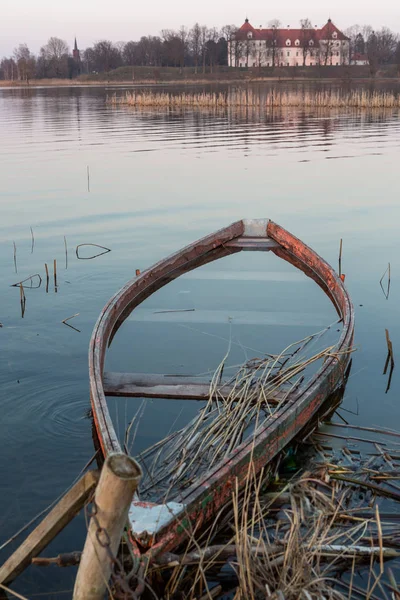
[259, 388]
[328, 99]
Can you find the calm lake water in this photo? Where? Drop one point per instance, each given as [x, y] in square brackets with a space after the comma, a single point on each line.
[159, 180]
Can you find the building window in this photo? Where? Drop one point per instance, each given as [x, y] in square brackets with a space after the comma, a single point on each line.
[311, 43]
[249, 35]
[334, 35]
[297, 53]
[254, 64]
[288, 53]
[297, 64]
[287, 64]
[297, 42]
[267, 64]
[288, 42]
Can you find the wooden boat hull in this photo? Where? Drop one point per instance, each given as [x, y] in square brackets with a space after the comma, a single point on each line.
[159, 528]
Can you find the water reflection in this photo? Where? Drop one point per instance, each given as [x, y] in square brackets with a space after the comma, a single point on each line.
[159, 180]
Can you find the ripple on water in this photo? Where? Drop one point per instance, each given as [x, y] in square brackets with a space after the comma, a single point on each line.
[46, 407]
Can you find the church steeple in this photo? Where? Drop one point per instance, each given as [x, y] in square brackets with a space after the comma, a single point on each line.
[75, 53]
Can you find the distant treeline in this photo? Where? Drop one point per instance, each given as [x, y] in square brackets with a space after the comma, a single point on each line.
[200, 47]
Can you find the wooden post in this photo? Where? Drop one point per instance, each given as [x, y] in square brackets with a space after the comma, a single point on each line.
[119, 479]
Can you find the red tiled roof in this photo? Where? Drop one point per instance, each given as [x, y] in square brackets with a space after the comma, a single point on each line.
[282, 35]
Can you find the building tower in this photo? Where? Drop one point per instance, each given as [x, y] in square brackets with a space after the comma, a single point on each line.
[75, 53]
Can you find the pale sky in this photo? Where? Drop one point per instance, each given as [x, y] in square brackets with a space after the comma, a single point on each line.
[34, 21]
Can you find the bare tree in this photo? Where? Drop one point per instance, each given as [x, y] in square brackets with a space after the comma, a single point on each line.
[194, 41]
[229, 33]
[212, 47]
[26, 62]
[273, 46]
[307, 36]
[9, 69]
[54, 56]
[274, 24]
[106, 56]
[130, 53]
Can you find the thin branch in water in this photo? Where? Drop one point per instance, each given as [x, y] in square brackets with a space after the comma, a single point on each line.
[33, 241]
[95, 255]
[47, 277]
[22, 299]
[389, 354]
[30, 278]
[55, 274]
[66, 252]
[68, 325]
[340, 256]
[15, 258]
[386, 293]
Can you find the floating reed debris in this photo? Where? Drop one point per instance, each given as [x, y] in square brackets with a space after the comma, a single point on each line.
[66, 252]
[95, 255]
[386, 292]
[15, 258]
[33, 241]
[47, 277]
[68, 319]
[31, 279]
[356, 99]
[22, 299]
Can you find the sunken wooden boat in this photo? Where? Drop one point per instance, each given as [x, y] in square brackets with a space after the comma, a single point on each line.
[162, 525]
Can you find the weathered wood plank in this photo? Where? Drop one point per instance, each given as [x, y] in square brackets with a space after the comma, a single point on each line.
[253, 243]
[63, 512]
[143, 385]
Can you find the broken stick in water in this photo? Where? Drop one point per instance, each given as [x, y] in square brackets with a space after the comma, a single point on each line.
[15, 257]
[22, 299]
[340, 257]
[47, 277]
[106, 250]
[386, 293]
[66, 252]
[31, 279]
[33, 241]
[55, 275]
[68, 325]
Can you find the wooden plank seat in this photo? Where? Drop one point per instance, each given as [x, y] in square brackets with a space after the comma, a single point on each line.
[173, 387]
[252, 243]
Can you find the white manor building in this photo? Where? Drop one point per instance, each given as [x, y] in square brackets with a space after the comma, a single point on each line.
[251, 47]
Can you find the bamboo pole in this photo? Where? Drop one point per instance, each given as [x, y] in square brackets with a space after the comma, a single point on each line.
[119, 479]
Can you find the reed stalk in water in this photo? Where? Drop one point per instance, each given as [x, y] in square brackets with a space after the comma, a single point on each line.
[356, 99]
[15, 257]
[47, 277]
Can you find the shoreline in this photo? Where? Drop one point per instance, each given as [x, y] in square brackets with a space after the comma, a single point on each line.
[73, 83]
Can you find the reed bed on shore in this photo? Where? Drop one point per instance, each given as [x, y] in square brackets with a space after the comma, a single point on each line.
[356, 99]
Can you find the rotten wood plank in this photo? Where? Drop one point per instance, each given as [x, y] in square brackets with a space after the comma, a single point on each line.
[144, 385]
[63, 512]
